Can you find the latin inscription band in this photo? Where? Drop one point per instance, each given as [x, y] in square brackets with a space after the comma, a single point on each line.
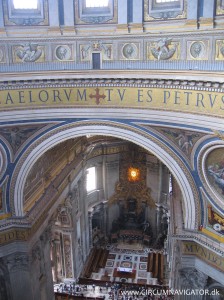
[191, 248]
[200, 102]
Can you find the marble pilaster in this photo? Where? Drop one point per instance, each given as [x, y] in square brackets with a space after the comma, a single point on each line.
[90, 216]
[192, 279]
[19, 271]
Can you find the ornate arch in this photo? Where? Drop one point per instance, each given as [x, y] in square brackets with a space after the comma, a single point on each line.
[176, 166]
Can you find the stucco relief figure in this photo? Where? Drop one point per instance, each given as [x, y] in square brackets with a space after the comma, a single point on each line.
[163, 49]
[85, 51]
[222, 49]
[197, 50]
[15, 136]
[107, 51]
[130, 51]
[63, 52]
[1, 55]
[184, 141]
[28, 52]
[219, 49]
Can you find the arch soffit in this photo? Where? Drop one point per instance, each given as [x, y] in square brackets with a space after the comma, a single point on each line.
[122, 131]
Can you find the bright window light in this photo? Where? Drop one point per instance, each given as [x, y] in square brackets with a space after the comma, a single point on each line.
[161, 1]
[25, 4]
[97, 3]
[91, 179]
[170, 185]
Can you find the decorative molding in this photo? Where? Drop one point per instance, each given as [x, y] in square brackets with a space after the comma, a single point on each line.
[3, 160]
[78, 49]
[201, 85]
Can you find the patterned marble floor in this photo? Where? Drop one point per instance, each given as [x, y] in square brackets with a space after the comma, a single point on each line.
[136, 259]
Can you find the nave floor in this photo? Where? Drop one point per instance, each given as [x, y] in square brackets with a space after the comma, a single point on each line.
[104, 283]
[135, 257]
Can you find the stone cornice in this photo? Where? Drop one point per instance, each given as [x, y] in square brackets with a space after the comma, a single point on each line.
[73, 36]
[156, 80]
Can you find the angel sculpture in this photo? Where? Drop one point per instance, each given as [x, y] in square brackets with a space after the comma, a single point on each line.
[162, 50]
[29, 52]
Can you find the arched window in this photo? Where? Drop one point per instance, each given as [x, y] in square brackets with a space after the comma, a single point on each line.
[97, 3]
[25, 4]
[164, 9]
[91, 179]
[162, 1]
[96, 11]
[25, 12]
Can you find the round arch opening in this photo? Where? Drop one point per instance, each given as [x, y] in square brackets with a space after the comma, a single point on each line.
[111, 130]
